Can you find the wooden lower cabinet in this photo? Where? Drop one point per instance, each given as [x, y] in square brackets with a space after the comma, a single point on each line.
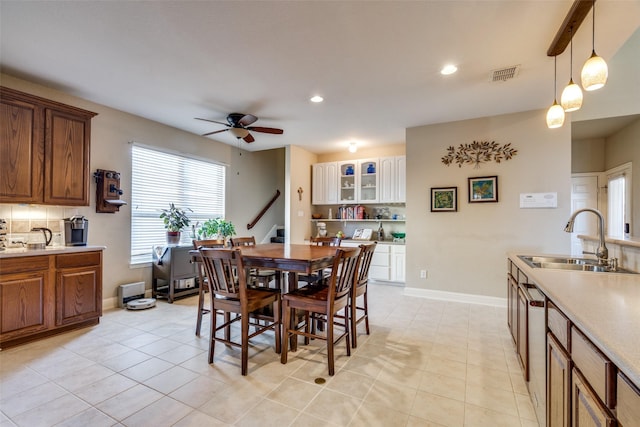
[628, 409]
[45, 295]
[587, 409]
[558, 384]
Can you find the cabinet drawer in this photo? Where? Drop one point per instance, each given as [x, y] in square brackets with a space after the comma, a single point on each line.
[558, 324]
[594, 366]
[24, 264]
[83, 259]
[379, 273]
[628, 403]
[380, 259]
[586, 408]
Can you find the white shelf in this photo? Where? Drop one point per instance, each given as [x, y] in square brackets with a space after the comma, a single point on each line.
[357, 220]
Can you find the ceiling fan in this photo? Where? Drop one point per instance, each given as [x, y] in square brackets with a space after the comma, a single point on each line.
[238, 125]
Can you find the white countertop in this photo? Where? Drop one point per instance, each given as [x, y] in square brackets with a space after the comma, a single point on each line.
[49, 250]
[604, 306]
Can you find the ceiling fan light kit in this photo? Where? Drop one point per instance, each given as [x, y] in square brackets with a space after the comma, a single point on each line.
[238, 125]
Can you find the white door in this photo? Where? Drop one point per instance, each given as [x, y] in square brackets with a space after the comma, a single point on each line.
[584, 194]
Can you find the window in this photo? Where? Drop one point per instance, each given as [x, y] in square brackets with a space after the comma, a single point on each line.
[159, 178]
[618, 200]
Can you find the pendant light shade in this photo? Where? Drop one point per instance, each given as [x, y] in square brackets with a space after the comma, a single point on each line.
[555, 115]
[595, 71]
[571, 98]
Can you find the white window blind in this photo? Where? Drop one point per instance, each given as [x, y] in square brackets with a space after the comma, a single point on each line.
[159, 179]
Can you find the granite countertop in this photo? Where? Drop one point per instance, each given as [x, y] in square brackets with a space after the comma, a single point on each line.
[50, 250]
[604, 306]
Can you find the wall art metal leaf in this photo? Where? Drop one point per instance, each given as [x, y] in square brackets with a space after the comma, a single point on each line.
[478, 152]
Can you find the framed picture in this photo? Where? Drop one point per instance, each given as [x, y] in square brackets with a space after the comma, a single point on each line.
[483, 189]
[444, 199]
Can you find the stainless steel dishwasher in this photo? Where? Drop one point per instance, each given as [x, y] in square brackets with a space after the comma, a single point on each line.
[537, 347]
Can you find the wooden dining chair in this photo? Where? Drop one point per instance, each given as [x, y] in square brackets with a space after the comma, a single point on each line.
[202, 278]
[320, 275]
[327, 300]
[261, 276]
[360, 290]
[230, 294]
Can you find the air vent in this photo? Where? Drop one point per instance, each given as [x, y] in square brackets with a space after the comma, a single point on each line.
[504, 74]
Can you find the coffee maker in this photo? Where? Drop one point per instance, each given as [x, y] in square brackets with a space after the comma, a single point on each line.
[76, 230]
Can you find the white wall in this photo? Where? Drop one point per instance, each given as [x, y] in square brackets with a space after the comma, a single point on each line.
[298, 175]
[465, 251]
[251, 178]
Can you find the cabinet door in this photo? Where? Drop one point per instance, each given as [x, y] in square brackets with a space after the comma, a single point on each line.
[67, 139]
[380, 268]
[25, 304]
[388, 180]
[522, 343]
[398, 263]
[347, 181]
[587, 409]
[367, 190]
[401, 179]
[78, 295]
[512, 307]
[558, 384]
[21, 151]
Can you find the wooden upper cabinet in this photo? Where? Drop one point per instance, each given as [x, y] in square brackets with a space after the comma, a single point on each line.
[44, 151]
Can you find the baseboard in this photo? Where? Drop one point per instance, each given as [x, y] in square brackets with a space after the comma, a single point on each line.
[455, 297]
[109, 303]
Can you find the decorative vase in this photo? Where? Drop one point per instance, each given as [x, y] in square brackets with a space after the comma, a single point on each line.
[173, 237]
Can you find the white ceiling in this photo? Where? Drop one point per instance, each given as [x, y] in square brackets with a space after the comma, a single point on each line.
[375, 63]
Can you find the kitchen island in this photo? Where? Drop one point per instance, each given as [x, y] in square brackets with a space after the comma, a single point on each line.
[602, 312]
[49, 291]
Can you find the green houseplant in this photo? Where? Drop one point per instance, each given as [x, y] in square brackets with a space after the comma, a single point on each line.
[217, 227]
[175, 219]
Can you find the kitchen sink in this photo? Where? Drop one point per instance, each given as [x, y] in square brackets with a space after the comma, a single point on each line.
[570, 263]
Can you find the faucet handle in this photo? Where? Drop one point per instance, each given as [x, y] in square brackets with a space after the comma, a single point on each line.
[613, 264]
[588, 253]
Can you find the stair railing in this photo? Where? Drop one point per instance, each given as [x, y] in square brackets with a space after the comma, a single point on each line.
[263, 211]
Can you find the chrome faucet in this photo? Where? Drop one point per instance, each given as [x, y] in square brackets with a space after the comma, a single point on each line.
[602, 253]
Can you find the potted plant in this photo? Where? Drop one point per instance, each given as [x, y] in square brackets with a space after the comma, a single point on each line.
[175, 219]
[218, 228]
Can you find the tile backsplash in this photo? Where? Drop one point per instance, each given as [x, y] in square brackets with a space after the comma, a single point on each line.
[22, 218]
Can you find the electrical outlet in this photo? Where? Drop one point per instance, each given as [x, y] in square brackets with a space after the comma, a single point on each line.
[423, 274]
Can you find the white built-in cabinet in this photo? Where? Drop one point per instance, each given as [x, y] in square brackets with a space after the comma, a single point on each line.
[375, 180]
[324, 190]
[388, 263]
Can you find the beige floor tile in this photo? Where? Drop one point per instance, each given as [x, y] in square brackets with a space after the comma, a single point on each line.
[104, 389]
[198, 391]
[31, 398]
[375, 415]
[199, 419]
[451, 352]
[525, 407]
[350, 383]
[476, 416]
[442, 385]
[129, 402]
[438, 409]
[401, 374]
[90, 417]
[295, 393]
[492, 398]
[364, 366]
[83, 377]
[421, 422]
[18, 380]
[52, 412]
[392, 396]
[163, 412]
[181, 353]
[125, 360]
[451, 368]
[230, 406]
[484, 376]
[147, 369]
[158, 347]
[307, 420]
[334, 407]
[171, 379]
[268, 413]
[140, 340]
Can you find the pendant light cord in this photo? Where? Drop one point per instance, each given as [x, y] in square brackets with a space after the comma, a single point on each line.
[571, 56]
[593, 28]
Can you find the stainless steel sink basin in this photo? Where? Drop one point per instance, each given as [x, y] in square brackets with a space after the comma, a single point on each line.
[570, 263]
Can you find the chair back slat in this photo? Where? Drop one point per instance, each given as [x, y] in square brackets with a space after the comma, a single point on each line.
[366, 255]
[225, 271]
[343, 273]
[243, 241]
[325, 241]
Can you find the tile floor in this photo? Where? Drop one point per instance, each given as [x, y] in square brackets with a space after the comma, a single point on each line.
[426, 363]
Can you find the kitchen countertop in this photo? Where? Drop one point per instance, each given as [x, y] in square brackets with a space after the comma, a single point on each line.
[382, 242]
[50, 250]
[604, 306]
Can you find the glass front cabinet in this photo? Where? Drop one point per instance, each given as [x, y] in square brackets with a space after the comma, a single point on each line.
[348, 181]
[369, 181]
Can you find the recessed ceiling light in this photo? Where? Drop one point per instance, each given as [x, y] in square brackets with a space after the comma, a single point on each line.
[448, 69]
[353, 146]
[317, 98]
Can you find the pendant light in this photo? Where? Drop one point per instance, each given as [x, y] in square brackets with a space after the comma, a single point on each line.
[571, 98]
[595, 71]
[555, 115]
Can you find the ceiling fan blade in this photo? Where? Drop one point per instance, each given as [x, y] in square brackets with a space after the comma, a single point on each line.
[247, 119]
[212, 121]
[248, 138]
[215, 131]
[265, 130]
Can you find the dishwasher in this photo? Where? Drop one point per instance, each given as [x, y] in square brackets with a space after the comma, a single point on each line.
[537, 348]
